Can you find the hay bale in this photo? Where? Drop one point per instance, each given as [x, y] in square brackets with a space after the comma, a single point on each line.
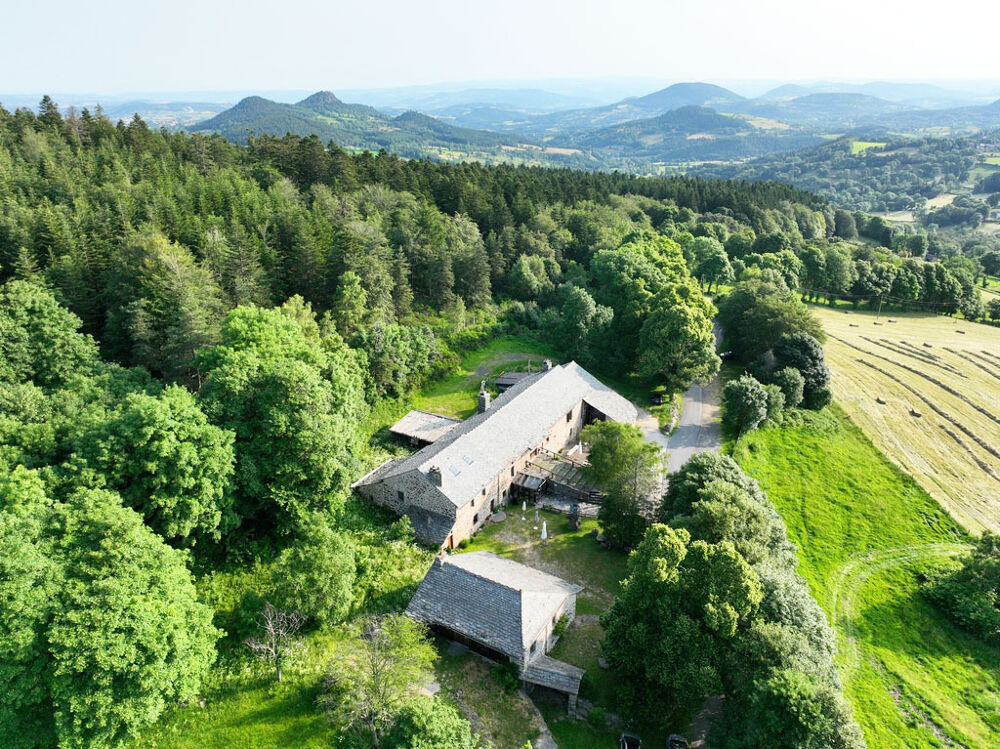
[854, 325]
[927, 345]
[960, 331]
[879, 399]
[876, 323]
[890, 320]
[915, 412]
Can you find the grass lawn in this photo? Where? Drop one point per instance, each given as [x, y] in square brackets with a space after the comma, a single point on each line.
[857, 146]
[865, 530]
[244, 708]
[572, 555]
[455, 395]
[507, 719]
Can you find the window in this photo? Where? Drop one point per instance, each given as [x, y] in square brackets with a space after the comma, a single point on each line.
[512, 470]
[473, 503]
[475, 518]
[569, 416]
[400, 496]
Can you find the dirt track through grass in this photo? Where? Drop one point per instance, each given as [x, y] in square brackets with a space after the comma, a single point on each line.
[851, 578]
[946, 370]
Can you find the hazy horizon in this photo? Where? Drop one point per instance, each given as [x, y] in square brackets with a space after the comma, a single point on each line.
[595, 89]
[308, 45]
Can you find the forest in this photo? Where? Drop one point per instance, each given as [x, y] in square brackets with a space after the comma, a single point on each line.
[891, 175]
[195, 335]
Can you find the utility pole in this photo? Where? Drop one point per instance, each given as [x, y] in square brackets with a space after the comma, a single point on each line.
[879, 308]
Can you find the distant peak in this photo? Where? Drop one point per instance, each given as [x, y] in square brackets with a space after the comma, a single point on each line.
[320, 99]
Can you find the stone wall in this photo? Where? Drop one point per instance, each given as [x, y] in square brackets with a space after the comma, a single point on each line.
[545, 640]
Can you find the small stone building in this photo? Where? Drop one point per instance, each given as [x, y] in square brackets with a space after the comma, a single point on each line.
[450, 488]
[503, 610]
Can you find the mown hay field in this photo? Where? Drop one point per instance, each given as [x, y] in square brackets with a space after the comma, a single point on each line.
[940, 380]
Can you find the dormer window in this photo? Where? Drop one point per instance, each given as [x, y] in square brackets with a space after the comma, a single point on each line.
[569, 416]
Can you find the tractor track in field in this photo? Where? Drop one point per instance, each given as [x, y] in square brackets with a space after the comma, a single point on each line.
[851, 577]
[848, 582]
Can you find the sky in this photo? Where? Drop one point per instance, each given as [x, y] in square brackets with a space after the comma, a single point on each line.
[117, 46]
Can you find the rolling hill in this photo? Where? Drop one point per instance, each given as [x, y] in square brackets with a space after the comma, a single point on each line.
[356, 126]
[691, 133]
[680, 125]
[657, 103]
[824, 110]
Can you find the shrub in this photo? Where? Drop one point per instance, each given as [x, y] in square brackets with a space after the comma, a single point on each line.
[431, 723]
[597, 716]
[775, 403]
[561, 626]
[402, 530]
[791, 382]
[970, 595]
[803, 352]
[507, 676]
[744, 403]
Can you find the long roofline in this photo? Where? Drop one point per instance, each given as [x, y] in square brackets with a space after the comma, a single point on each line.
[477, 450]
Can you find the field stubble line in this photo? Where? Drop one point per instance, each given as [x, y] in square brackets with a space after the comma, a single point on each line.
[931, 405]
[943, 386]
[934, 361]
[973, 362]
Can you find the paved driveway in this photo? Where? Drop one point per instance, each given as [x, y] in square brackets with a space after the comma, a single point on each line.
[698, 429]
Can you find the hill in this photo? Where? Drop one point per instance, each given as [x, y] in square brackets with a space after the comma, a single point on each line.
[865, 173]
[823, 110]
[685, 95]
[691, 133]
[651, 105]
[360, 127]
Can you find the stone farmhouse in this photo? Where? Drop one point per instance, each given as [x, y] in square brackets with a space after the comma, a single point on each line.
[451, 487]
[502, 610]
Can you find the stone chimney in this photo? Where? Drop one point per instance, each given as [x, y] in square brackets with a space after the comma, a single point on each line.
[434, 475]
[442, 555]
[546, 365]
[484, 398]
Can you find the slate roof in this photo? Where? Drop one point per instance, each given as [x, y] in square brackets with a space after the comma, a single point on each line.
[424, 426]
[499, 603]
[474, 453]
[548, 672]
[432, 527]
[505, 380]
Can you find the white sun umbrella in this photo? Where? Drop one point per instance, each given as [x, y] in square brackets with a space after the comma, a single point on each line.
[545, 532]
